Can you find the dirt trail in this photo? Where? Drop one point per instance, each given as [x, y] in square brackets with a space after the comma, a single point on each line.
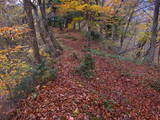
[110, 95]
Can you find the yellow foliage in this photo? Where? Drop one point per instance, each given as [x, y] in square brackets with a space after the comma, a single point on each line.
[75, 20]
[12, 69]
[79, 5]
[91, 12]
[14, 32]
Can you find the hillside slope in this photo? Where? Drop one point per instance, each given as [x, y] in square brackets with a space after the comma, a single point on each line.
[117, 92]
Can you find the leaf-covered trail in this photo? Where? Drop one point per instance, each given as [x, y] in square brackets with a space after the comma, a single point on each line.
[110, 95]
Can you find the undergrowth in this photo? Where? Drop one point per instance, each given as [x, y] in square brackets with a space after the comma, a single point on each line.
[86, 68]
[155, 85]
[108, 104]
[94, 36]
[38, 75]
[107, 55]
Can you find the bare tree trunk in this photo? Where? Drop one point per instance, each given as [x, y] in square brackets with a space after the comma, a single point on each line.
[131, 13]
[44, 34]
[38, 24]
[55, 46]
[114, 33]
[102, 3]
[149, 57]
[126, 29]
[74, 27]
[158, 55]
[89, 38]
[28, 10]
[79, 26]
[131, 38]
[97, 2]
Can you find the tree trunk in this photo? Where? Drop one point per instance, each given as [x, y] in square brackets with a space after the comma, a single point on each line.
[149, 57]
[28, 10]
[55, 47]
[38, 25]
[158, 55]
[89, 38]
[79, 26]
[126, 29]
[131, 13]
[102, 3]
[97, 2]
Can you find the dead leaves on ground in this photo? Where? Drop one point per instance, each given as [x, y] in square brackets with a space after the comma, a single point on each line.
[109, 96]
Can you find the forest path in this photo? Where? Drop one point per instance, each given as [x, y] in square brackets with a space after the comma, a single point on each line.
[116, 92]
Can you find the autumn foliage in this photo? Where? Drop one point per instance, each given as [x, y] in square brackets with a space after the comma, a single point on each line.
[79, 60]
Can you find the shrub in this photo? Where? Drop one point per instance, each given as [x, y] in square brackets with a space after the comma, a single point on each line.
[24, 88]
[94, 35]
[86, 49]
[125, 72]
[42, 73]
[38, 75]
[74, 55]
[155, 85]
[86, 66]
[108, 104]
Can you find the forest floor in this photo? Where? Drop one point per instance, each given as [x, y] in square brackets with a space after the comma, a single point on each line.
[118, 91]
